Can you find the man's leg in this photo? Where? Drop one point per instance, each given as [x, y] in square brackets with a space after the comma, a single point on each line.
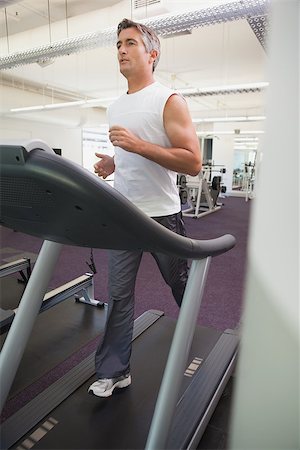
[113, 354]
[174, 270]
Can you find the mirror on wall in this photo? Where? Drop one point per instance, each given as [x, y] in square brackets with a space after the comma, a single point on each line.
[206, 145]
[244, 165]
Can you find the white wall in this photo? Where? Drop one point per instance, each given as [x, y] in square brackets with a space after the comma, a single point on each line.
[68, 139]
[60, 128]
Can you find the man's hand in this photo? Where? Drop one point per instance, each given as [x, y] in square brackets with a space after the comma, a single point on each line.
[104, 167]
[122, 137]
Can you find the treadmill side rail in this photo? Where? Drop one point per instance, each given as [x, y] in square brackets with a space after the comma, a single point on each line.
[195, 408]
[181, 344]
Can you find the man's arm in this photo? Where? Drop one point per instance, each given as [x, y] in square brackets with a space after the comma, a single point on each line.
[184, 156]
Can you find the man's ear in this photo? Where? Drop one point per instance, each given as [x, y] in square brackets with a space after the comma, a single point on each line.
[153, 54]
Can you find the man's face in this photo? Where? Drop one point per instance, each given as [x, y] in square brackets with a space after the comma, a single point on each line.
[132, 55]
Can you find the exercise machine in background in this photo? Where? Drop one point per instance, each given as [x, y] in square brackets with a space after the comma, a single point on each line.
[82, 288]
[244, 179]
[19, 265]
[199, 195]
[249, 180]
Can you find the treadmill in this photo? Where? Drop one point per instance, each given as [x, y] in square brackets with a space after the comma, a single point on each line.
[179, 370]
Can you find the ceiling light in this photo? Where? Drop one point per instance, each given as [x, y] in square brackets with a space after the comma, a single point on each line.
[246, 145]
[44, 62]
[64, 105]
[246, 139]
[48, 106]
[27, 108]
[225, 89]
[85, 103]
[230, 119]
[178, 33]
[213, 133]
[99, 101]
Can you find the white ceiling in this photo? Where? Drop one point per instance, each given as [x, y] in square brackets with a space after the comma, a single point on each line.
[215, 55]
[27, 14]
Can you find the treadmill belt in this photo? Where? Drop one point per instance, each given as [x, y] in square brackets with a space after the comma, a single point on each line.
[10, 292]
[123, 420]
[57, 334]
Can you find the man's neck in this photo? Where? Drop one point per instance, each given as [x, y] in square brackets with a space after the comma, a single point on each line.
[135, 85]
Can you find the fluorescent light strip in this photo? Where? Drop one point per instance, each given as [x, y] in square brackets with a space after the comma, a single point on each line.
[243, 146]
[48, 106]
[246, 139]
[64, 105]
[216, 133]
[102, 101]
[230, 119]
[246, 149]
[89, 102]
[28, 108]
[231, 87]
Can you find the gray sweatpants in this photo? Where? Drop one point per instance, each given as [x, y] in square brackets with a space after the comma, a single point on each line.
[113, 353]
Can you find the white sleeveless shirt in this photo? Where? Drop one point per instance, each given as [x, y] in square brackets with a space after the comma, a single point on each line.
[151, 187]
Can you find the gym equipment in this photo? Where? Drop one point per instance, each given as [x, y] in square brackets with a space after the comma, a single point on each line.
[249, 180]
[18, 265]
[82, 288]
[181, 185]
[201, 192]
[244, 179]
[58, 203]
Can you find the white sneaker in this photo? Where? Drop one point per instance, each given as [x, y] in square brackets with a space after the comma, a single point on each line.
[105, 387]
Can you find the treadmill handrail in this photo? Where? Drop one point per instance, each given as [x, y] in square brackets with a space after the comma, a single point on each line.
[48, 196]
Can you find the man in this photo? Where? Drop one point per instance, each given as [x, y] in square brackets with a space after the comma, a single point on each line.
[154, 138]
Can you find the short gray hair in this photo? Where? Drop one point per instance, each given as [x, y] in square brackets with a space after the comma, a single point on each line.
[149, 37]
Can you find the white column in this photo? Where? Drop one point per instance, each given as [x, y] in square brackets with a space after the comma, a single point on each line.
[266, 406]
